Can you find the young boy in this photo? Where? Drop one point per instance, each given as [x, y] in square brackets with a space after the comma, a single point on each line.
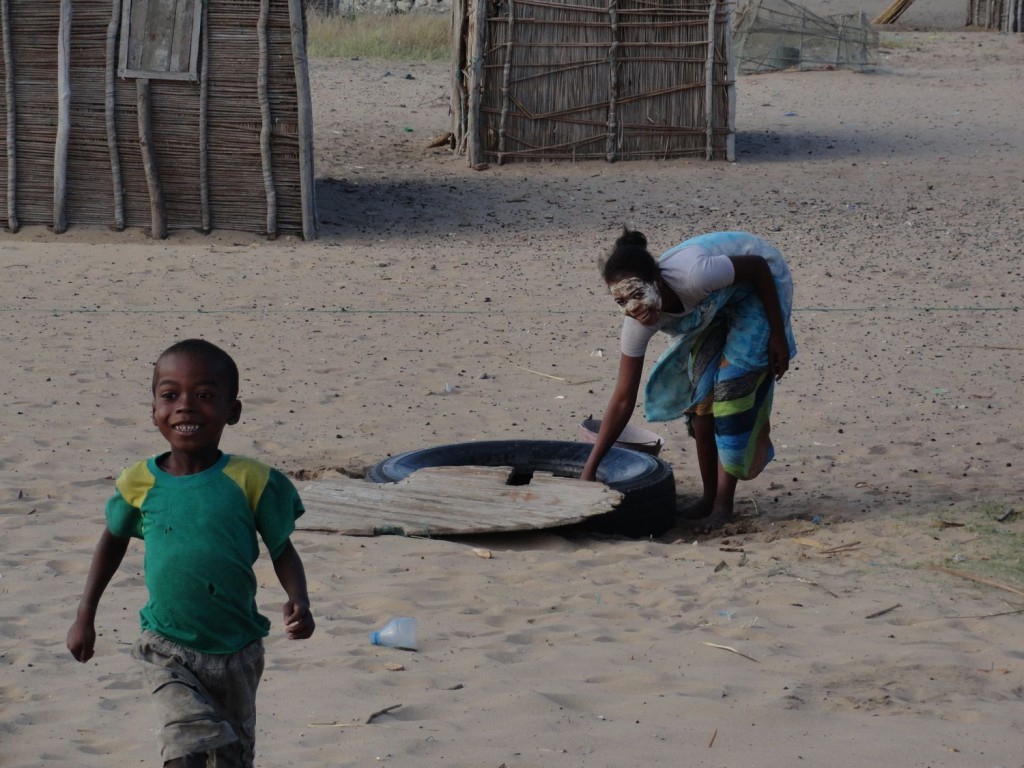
[198, 511]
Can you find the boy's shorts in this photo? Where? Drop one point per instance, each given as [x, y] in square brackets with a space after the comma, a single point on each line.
[206, 702]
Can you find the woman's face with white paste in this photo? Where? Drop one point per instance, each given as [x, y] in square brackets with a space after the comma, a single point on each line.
[639, 299]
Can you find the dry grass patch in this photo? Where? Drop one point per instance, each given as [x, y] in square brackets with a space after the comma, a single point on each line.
[407, 36]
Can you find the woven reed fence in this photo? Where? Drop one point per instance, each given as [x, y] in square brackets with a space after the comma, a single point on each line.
[592, 79]
[229, 149]
[1007, 16]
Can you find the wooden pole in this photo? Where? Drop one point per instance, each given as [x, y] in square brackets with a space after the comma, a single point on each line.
[12, 132]
[730, 67]
[157, 209]
[204, 126]
[60, 149]
[709, 83]
[266, 119]
[305, 108]
[477, 54]
[611, 143]
[458, 101]
[506, 76]
[109, 114]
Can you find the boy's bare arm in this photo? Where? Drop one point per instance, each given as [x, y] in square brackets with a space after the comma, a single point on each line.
[298, 620]
[105, 562]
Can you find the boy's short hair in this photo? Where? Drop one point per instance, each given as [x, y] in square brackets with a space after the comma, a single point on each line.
[213, 353]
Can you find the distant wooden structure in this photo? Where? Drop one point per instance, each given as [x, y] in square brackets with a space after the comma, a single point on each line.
[592, 79]
[171, 114]
[1007, 16]
[449, 501]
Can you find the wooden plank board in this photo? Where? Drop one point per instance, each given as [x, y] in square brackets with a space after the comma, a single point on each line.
[445, 501]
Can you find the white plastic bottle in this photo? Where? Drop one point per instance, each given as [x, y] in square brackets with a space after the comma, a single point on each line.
[397, 633]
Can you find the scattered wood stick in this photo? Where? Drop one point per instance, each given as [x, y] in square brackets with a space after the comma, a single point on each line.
[816, 584]
[711, 741]
[808, 542]
[1006, 515]
[840, 548]
[333, 725]
[556, 378]
[882, 612]
[982, 615]
[979, 579]
[380, 712]
[545, 375]
[731, 650]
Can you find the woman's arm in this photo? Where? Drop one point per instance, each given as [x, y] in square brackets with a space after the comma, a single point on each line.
[755, 270]
[617, 414]
[106, 560]
[298, 620]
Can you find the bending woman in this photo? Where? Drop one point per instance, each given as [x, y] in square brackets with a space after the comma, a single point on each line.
[726, 299]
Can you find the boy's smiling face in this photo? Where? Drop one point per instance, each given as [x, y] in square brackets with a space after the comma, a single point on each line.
[192, 403]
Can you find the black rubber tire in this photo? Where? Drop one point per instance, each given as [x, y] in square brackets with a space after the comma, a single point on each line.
[648, 506]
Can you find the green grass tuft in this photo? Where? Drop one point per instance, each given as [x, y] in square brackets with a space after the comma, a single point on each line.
[406, 36]
[996, 550]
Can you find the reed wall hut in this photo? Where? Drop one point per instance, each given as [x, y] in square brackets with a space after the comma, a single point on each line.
[592, 79]
[167, 114]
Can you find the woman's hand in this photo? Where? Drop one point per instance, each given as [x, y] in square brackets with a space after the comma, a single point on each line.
[778, 355]
[755, 270]
[617, 414]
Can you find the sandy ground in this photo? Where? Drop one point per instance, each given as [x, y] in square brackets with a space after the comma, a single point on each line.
[816, 629]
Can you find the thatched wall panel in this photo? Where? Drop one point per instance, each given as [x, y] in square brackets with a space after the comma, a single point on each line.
[34, 45]
[580, 79]
[238, 195]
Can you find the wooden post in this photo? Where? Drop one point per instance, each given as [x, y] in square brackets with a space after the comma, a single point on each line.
[506, 76]
[109, 114]
[305, 108]
[458, 101]
[12, 133]
[730, 69]
[60, 149]
[157, 209]
[266, 119]
[204, 126]
[477, 54]
[709, 83]
[611, 143]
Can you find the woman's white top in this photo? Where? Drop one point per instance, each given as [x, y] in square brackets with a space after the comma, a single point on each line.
[692, 272]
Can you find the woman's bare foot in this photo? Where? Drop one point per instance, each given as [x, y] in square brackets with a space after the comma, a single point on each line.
[697, 510]
[717, 519]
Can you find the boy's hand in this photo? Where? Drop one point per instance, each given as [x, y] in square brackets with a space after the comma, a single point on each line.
[298, 621]
[82, 639]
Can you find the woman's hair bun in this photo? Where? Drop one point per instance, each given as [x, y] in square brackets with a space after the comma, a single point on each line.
[632, 237]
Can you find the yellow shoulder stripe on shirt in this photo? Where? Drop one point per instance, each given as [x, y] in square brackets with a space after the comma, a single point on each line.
[134, 483]
[250, 475]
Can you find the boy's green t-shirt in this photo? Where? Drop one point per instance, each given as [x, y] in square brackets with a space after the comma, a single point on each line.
[200, 534]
